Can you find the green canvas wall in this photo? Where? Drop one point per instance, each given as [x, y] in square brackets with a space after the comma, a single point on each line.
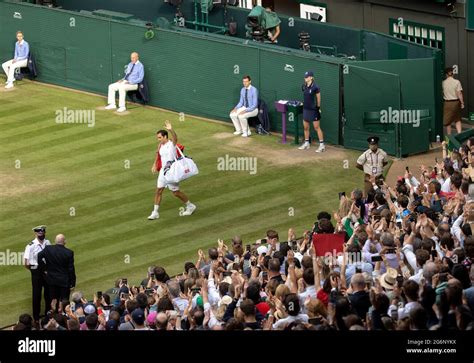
[187, 71]
[200, 73]
[418, 88]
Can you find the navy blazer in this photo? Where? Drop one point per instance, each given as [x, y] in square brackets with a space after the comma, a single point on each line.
[58, 262]
[32, 66]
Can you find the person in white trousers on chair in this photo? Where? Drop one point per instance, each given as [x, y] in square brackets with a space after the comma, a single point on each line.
[133, 76]
[246, 108]
[20, 59]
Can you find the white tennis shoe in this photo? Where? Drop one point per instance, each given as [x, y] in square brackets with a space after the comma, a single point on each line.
[189, 210]
[305, 146]
[321, 148]
[153, 215]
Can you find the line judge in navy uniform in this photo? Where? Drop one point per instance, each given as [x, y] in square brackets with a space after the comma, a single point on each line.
[133, 77]
[372, 163]
[312, 111]
[38, 280]
[58, 263]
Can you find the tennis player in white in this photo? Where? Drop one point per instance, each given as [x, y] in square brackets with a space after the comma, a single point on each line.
[165, 153]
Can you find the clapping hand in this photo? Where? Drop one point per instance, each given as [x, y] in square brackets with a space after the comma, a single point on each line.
[201, 255]
[356, 210]
[301, 285]
[291, 235]
[334, 282]
[290, 257]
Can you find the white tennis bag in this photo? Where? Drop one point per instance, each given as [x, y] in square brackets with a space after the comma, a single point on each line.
[180, 169]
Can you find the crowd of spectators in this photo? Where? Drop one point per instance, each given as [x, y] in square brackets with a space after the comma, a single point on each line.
[406, 265]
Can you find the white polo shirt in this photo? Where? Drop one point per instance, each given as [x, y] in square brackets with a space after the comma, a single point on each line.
[167, 152]
[282, 323]
[32, 250]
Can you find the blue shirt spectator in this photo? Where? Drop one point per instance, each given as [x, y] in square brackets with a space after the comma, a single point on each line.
[135, 73]
[248, 98]
[22, 49]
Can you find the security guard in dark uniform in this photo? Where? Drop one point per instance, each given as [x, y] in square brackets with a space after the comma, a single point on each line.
[372, 163]
[38, 280]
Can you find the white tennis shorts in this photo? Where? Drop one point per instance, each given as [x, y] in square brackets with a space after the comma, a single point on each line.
[161, 183]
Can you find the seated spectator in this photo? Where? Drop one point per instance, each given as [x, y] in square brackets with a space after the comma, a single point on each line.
[410, 290]
[138, 320]
[418, 318]
[92, 322]
[161, 322]
[274, 271]
[26, 320]
[316, 310]
[130, 306]
[178, 298]
[20, 59]
[292, 312]
[246, 108]
[359, 297]
[309, 291]
[133, 77]
[248, 315]
[73, 324]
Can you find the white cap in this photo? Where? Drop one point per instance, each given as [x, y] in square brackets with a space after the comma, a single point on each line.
[262, 249]
[299, 256]
[226, 300]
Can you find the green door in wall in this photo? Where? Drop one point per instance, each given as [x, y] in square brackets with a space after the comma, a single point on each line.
[367, 95]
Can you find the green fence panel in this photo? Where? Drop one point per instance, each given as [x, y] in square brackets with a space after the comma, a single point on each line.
[348, 41]
[60, 42]
[417, 87]
[188, 73]
[284, 84]
[143, 9]
[455, 141]
[470, 14]
[378, 46]
[150, 10]
[345, 39]
[368, 92]
[201, 73]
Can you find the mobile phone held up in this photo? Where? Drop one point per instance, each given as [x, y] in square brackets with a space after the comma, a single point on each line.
[124, 296]
[149, 291]
[377, 258]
